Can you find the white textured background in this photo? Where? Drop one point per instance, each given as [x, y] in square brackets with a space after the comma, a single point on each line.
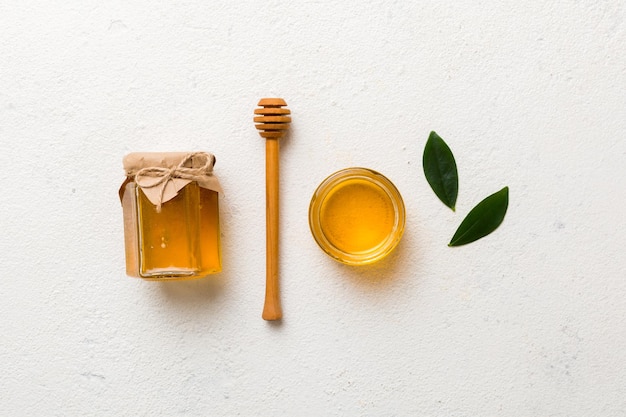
[530, 321]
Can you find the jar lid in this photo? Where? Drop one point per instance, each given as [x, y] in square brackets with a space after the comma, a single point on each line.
[161, 175]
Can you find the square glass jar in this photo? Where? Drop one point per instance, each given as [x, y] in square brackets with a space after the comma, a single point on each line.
[170, 203]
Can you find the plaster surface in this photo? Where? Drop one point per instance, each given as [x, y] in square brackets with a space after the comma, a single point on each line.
[529, 321]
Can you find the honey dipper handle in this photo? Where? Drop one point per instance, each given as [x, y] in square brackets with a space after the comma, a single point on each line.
[271, 309]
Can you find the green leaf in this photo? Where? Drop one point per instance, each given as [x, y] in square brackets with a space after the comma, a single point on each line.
[440, 170]
[482, 219]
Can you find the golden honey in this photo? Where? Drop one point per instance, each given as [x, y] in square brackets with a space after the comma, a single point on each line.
[177, 239]
[357, 216]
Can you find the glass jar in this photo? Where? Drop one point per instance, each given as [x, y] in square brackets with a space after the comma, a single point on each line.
[171, 216]
[357, 216]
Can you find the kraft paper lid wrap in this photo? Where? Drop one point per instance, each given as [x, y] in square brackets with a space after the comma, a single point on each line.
[162, 175]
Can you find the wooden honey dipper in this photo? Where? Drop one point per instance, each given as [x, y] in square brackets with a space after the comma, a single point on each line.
[272, 121]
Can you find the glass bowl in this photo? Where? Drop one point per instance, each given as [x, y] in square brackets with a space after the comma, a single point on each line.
[357, 216]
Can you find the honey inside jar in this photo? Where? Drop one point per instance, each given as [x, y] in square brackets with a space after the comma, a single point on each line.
[183, 238]
[357, 216]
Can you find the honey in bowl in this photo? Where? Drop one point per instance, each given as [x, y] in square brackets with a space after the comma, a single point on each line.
[357, 216]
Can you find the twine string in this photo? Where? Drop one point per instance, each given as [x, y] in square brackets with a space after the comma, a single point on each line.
[144, 178]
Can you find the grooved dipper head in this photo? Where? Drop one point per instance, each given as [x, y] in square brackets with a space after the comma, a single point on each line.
[272, 119]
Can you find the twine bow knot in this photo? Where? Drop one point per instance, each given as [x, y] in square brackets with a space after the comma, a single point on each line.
[151, 177]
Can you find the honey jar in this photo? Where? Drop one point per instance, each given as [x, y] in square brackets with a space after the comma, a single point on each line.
[171, 215]
[357, 216]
